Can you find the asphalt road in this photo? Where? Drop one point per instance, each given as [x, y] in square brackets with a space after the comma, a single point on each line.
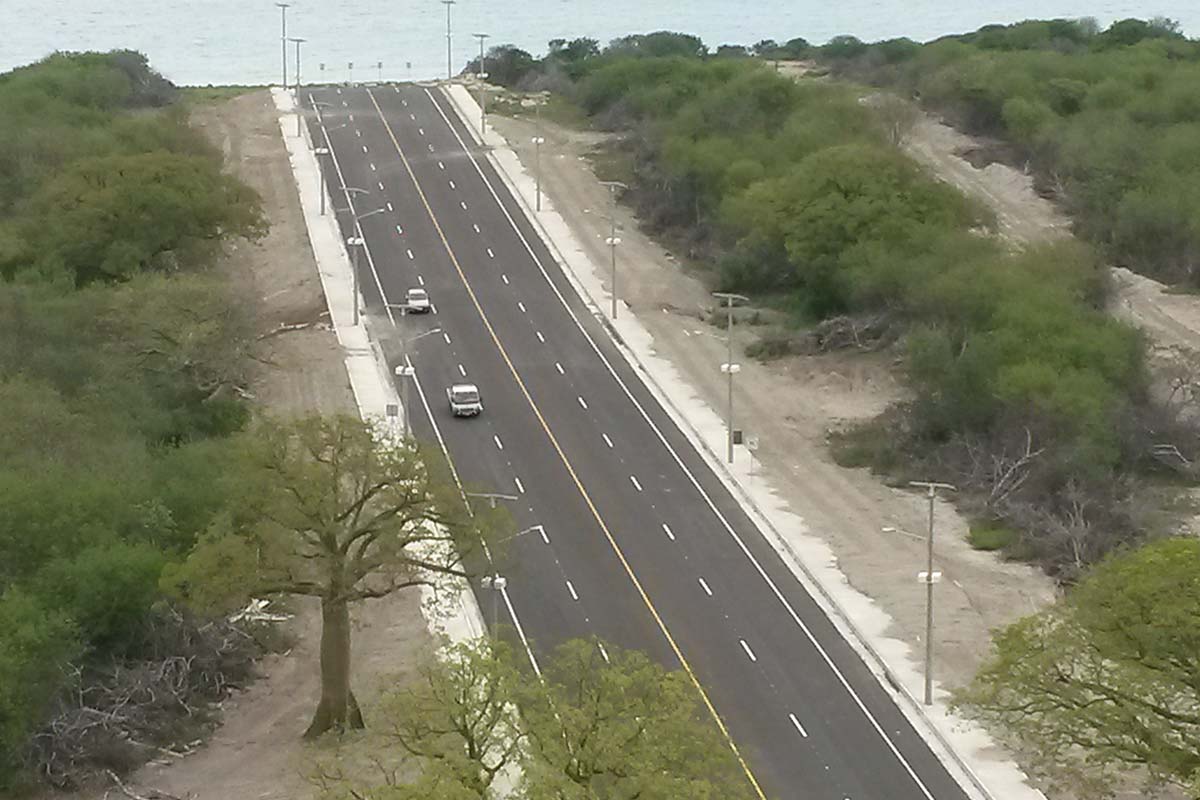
[629, 536]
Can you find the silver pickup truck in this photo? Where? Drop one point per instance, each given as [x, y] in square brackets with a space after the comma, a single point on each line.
[464, 400]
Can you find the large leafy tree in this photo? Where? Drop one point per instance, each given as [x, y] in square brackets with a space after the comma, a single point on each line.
[336, 509]
[1111, 673]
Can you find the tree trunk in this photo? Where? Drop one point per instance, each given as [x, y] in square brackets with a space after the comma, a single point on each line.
[338, 708]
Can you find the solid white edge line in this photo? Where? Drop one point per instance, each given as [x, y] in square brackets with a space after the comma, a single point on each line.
[505, 279]
[446, 336]
[799, 727]
[350, 204]
[858, 701]
[749, 652]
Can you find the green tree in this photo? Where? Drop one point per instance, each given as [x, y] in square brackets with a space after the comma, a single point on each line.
[1110, 673]
[336, 509]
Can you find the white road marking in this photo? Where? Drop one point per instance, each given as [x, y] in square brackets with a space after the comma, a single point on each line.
[464, 205]
[372, 168]
[446, 336]
[399, 230]
[558, 367]
[452, 186]
[462, 371]
[541, 338]
[402, 102]
[441, 165]
[490, 253]
[704, 586]
[542, 530]
[607, 440]
[799, 727]
[410, 255]
[352, 118]
[381, 187]
[521, 306]
[634, 480]
[364, 148]
[421, 131]
[520, 486]
[476, 227]
[410, 116]
[571, 589]
[420, 280]
[358, 133]
[343, 104]
[396, 89]
[431, 148]
[749, 652]
[582, 402]
[667, 530]
[741, 544]
[389, 208]
[499, 444]
[505, 279]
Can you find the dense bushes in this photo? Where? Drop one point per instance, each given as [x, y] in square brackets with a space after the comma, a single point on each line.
[1024, 392]
[121, 361]
[1109, 120]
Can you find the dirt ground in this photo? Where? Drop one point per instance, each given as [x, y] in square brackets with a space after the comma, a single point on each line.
[791, 405]
[257, 753]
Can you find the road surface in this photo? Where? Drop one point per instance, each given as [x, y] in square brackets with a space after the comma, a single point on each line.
[629, 536]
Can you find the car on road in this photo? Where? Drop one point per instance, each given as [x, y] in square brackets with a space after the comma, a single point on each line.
[417, 301]
[464, 399]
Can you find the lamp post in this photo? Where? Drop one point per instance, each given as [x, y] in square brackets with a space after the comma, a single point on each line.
[407, 370]
[497, 583]
[283, 7]
[449, 59]
[929, 577]
[322, 67]
[298, 42]
[357, 242]
[729, 368]
[350, 73]
[538, 141]
[482, 75]
[318, 152]
[379, 66]
[612, 241]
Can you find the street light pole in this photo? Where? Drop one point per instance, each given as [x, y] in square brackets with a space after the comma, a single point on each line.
[538, 141]
[482, 74]
[379, 65]
[449, 58]
[928, 577]
[729, 368]
[318, 152]
[612, 240]
[355, 242]
[298, 42]
[406, 369]
[283, 7]
[497, 583]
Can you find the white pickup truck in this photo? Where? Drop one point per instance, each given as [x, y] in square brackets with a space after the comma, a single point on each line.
[464, 400]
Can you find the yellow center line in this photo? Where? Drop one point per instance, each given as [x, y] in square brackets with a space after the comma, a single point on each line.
[662, 626]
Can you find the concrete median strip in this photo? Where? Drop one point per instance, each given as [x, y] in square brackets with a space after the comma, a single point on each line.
[962, 746]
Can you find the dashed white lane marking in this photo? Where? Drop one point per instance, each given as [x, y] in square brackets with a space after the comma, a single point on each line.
[372, 168]
[603, 652]
[389, 208]
[476, 227]
[633, 479]
[421, 131]
[358, 133]
[364, 148]
[452, 186]
[446, 336]
[499, 444]
[410, 255]
[339, 91]
[520, 486]
[343, 104]
[582, 402]
[704, 586]
[462, 371]
[490, 253]
[402, 102]
[542, 530]
[799, 727]
[431, 148]
[749, 652]
[352, 118]
[396, 89]
[399, 230]
[571, 589]
[505, 279]
[607, 440]
[464, 205]
[441, 165]
[521, 306]
[420, 280]
[410, 116]
[558, 367]
[433, 308]
[381, 187]
[667, 531]
[541, 338]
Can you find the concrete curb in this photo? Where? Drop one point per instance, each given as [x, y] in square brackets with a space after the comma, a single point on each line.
[936, 725]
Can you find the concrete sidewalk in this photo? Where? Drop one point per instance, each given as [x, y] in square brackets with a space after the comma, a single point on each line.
[966, 750]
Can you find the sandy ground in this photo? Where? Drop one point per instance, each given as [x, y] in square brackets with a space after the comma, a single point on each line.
[257, 753]
[791, 405]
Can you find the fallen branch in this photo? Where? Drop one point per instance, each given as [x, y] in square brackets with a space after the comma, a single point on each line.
[154, 793]
[285, 328]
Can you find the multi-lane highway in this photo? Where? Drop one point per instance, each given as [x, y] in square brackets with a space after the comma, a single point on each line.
[630, 536]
